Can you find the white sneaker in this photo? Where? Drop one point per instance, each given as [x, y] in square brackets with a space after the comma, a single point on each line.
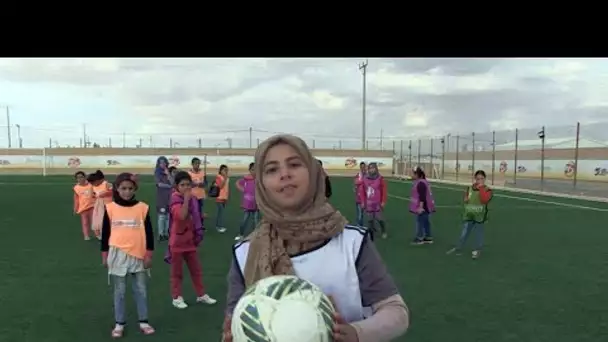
[118, 331]
[238, 238]
[221, 229]
[205, 299]
[179, 303]
[475, 254]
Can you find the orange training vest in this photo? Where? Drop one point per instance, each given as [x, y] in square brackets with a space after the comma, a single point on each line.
[85, 197]
[101, 188]
[197, 177]
[128, 231]
[225, 191]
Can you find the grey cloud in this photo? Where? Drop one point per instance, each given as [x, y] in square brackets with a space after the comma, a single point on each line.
[246, 99]
[449, 66]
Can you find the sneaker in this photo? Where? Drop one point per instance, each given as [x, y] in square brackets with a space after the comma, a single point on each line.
[86, 238]
[205, 299]
[417, 242]
[385, 235]
[179, 303]
[221, 229]
[428, 240]
[475, 254]
[146, 329]
[238, 237]
[118, 331]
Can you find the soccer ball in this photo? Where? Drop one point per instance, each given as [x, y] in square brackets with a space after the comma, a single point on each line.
[283, 309]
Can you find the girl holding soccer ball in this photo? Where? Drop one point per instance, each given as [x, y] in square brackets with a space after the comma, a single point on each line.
[302, 234]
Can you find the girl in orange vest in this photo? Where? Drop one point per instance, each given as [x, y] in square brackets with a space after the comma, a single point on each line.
[127, 242]
[199, 182]
[222, 181]
[103, 195]
[83, 202]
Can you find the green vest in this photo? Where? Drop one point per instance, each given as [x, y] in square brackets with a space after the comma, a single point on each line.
[474, 210]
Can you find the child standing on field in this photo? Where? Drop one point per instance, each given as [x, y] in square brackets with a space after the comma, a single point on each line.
[358, 183]
[199, 182]
[373, 197]
[186, 233]
[476, 199]
[246, 185]
[83, 202]
[422, 205]
[127, 243]
[103, 195]
[222, 181]
[172, 173]
[163, 195]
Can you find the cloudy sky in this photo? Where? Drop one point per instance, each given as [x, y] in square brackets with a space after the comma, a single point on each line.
[215, 99]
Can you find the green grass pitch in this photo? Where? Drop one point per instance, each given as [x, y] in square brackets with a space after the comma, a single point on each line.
[542, 276]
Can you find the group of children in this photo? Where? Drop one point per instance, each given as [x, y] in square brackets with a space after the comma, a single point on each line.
[165, 182]
[220, 190]
[371, 195]
[91, 193]
[127, 237]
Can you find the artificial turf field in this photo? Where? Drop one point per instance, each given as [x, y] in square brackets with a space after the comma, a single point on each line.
[542, 276]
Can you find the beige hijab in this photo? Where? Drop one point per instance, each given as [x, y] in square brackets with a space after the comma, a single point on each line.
[278, 236]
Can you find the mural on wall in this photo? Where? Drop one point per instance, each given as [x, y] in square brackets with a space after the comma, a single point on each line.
[569, 169]
[556, 169]
[179, 161]
[601, 171]
[503, 167]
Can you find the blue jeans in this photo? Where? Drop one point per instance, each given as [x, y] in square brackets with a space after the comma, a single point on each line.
[138, 283]
[201, 204]
[468, 227]
[219, 218]
[250, 215]
[163, 224]
[423, 226]
[359, 213]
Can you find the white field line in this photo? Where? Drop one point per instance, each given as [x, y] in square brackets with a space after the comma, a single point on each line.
[526, 199]
[459, 206]
[435, 185]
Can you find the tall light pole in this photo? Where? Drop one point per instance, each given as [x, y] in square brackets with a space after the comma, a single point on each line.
[8, 126]
[19, 140]
[363, 69]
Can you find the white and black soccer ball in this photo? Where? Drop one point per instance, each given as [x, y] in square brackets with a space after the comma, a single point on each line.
[283, 309]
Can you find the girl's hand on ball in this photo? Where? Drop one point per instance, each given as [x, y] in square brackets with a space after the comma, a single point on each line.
[227, 332]
[344, 332]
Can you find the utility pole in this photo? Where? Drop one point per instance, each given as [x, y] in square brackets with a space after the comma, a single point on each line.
[8, 126]
[250, 137]
[363, 69]
[19, 140]
[381, 139]
[84, 135]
